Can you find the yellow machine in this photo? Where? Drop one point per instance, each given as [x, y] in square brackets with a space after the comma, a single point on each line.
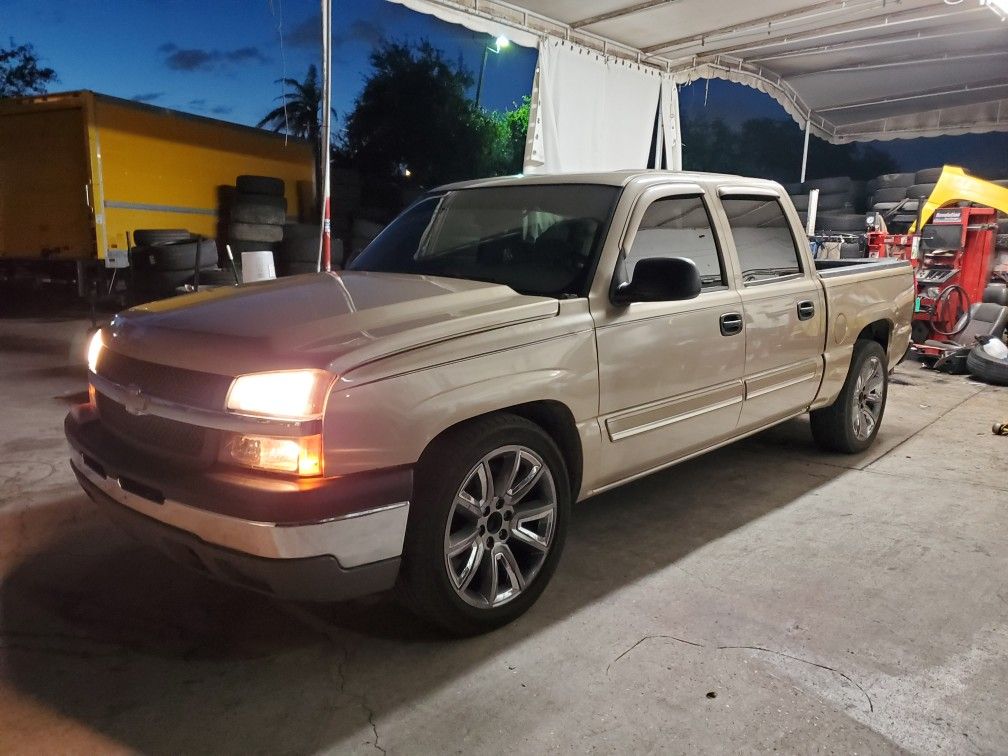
[955, 185]
[79, 170]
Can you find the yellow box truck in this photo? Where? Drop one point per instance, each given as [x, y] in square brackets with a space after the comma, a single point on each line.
[80, 170]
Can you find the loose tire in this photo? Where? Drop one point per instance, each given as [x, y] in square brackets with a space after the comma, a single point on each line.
[920, 191]
[928, 175]
[259, 208]
[491, 507]
[850, 424]
[145, 237]
[986, 368]
[890, 194]
[255, 232]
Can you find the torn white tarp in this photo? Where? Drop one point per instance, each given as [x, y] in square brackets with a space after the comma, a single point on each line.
[591, 112]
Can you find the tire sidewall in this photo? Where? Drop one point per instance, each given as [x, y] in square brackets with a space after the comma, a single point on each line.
[440, 472]
[863, 350]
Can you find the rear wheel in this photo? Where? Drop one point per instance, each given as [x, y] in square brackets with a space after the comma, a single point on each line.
[850, 424]
[487, 524]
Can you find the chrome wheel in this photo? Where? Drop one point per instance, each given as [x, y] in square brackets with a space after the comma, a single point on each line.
[869, 394]
[501, 526]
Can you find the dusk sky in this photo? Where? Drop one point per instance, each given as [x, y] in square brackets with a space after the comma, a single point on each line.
[222, 58]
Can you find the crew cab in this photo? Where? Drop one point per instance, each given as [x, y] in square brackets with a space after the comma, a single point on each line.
[505, 348]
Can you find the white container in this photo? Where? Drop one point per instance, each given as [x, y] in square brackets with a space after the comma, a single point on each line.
[257, 266]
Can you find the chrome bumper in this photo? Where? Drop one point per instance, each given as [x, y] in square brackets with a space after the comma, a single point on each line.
[361, 538]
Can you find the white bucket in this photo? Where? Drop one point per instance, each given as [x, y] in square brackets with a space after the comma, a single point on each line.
[257, 266]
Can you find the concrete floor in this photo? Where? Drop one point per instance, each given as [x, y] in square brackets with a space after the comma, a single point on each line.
[764, 597]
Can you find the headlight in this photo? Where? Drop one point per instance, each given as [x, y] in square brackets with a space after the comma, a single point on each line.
[287, 394]
[94, 349]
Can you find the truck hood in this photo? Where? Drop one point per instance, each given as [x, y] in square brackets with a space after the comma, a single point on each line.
[335, 321]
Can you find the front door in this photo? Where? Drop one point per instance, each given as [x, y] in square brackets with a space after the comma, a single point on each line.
[670, 373]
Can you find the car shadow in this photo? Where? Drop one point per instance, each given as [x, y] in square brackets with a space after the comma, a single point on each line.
[113, 636]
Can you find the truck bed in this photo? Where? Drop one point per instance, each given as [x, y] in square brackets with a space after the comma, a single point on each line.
[837, 268]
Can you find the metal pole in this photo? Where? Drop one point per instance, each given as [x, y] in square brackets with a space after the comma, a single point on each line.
[479, 86]
[804, 157]
[325, 247]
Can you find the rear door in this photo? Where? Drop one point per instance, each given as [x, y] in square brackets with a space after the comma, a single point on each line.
[670, 373]
[44, 190]
[783, 305]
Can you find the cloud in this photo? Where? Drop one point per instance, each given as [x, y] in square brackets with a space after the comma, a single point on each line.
[147, 97]
[196, 59]
[221, 110]
[308, 33]
[197, 103]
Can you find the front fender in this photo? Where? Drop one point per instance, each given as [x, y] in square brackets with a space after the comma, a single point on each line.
[389, 422]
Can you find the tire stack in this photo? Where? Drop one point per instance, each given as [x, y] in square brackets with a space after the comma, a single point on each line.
[162, 260]
[298, 251]
[257, 215]
[840, 207]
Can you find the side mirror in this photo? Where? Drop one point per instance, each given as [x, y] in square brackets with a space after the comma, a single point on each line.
[660, 279]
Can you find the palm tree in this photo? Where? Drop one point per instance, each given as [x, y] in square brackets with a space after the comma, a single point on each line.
[298, 114]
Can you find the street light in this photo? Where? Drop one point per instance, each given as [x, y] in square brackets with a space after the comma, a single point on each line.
[500, 43]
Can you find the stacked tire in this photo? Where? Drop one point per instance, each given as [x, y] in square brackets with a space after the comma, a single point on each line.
[257, 215]
[840, 206]
[163, 260]
[298, 252]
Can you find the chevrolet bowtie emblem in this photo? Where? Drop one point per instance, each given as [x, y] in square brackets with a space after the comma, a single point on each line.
[135, 401]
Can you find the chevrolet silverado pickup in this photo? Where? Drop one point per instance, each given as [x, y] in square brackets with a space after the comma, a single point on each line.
[505, 348]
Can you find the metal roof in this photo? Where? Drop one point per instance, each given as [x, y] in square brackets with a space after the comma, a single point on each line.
[857, 69]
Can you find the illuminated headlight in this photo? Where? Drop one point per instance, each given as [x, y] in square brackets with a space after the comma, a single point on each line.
[302, 456]
[287, 394]
[94, 349]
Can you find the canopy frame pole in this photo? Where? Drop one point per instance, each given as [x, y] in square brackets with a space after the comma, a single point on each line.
[325, 137]
[804, 157]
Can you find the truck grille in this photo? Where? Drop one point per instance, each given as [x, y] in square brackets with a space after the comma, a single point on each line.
[157, 434]
[189, 387]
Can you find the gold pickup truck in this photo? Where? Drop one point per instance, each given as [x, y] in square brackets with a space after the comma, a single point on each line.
[504, 349]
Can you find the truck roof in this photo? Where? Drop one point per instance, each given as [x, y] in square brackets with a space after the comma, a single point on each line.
[613, 178]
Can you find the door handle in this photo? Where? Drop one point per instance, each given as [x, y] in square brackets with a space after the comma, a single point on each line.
[806, 310]
[731, 323]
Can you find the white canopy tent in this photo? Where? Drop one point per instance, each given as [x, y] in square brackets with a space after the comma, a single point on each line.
[845, 70]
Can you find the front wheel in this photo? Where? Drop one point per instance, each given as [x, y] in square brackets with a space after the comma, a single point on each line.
[850, 424]
[487, 524]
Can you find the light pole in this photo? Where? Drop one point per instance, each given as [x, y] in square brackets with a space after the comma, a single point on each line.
[499, 44]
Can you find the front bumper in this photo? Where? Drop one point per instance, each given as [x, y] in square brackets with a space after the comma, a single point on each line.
[342, 552]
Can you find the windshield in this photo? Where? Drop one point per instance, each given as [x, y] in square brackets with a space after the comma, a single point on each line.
[537, 239]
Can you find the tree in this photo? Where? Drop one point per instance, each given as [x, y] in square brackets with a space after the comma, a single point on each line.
[414, 113]
[509, 147]
[299, 113]
[20, 72]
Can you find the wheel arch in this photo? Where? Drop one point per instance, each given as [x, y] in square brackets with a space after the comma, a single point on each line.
[879, 331]
[556, 420]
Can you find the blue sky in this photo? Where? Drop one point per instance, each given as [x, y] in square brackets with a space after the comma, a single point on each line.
[222, 58]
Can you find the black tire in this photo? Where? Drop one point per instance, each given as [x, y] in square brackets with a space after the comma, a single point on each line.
[890, 194]
[216, 277]
[986, 368]
[928, 175]
[893, 180]
[175, 256]
[996, 293]
[833, 426]
[260, 185]
[443, 468]
[920, 191]
[255, 232]
[145, 237]
[884, 207]
[854, 223]
[292, 251]
[259, 208]
[835, 201]
[299, 268]
[831, 185]
[800, 201]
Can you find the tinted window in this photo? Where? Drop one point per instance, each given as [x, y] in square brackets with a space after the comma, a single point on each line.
[537, 239]
[766, 247]
[678, 227]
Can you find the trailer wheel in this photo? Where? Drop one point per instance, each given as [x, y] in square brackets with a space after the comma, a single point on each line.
[850, 424]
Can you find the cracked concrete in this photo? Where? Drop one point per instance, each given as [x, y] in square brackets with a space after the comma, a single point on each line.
[766, 596]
